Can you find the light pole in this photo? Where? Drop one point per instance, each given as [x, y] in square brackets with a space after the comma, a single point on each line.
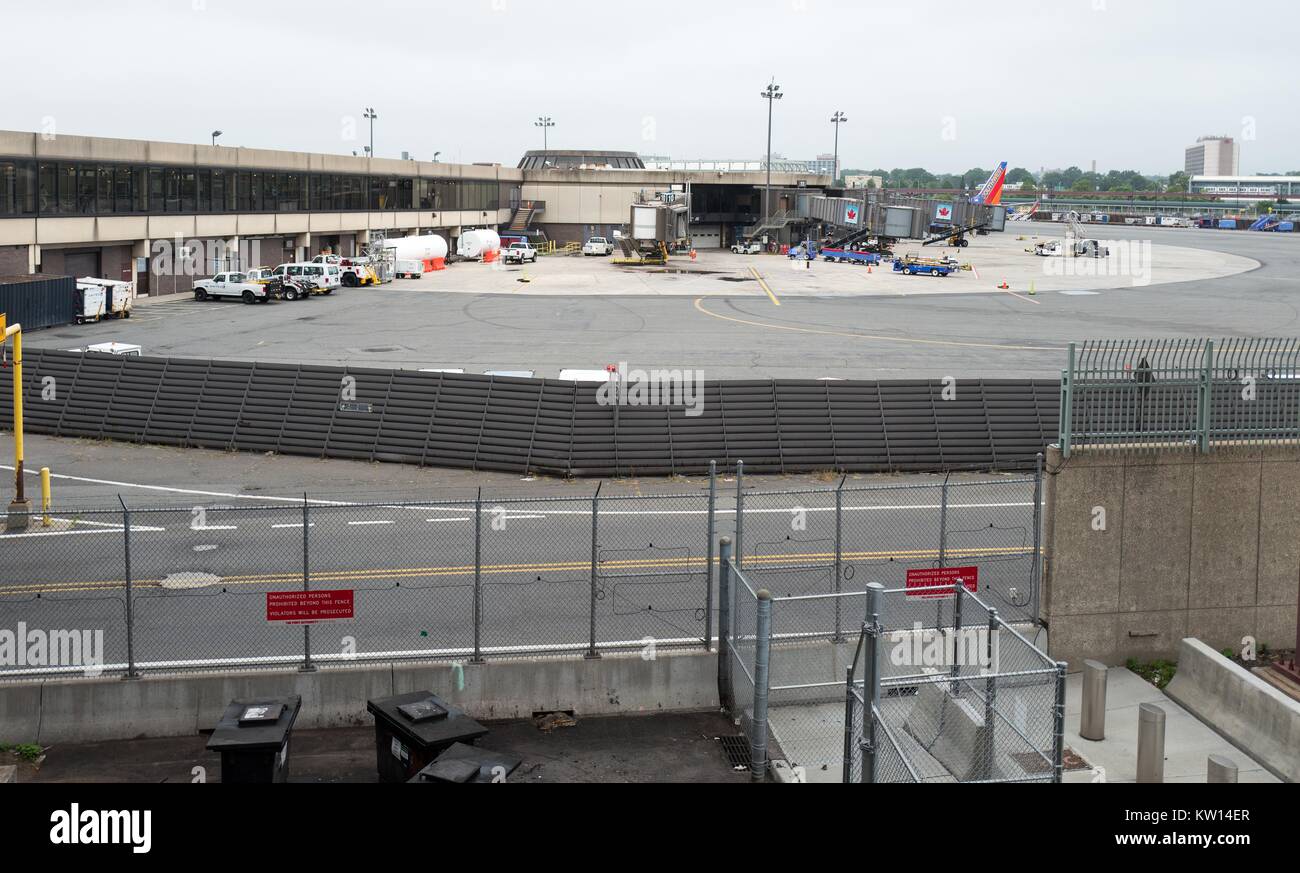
[837, 119]
[544, 122]
[215, 134]
[372, 115]
[771, 93]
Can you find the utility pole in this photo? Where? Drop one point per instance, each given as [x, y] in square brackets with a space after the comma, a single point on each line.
[770, 93]
[837, 119]
[545, 123]
[371, 114]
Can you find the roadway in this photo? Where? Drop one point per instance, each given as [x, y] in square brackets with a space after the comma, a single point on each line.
[816, 325]
[200, 572]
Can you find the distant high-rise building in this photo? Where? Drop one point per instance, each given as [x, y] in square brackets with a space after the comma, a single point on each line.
[1213, 156]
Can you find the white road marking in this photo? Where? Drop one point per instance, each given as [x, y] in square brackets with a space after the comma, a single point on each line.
[69, 533]
[216, 527]
[462, 518]
[370, 522]
[296, 524]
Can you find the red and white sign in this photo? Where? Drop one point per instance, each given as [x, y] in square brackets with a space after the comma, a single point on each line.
[941, 576]
[308, 607]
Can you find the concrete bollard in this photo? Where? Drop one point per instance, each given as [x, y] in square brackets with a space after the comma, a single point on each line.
[1092, 717]
[1151, 743]
[1220, 768]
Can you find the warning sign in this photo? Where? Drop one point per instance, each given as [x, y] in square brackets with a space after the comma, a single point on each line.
[932, 577]
[308, 607]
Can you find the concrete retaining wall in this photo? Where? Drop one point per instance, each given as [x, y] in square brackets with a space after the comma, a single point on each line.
[1193, 545]
[84, 710]
[1253, 715]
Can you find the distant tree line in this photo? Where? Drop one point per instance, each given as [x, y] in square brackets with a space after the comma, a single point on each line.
[1072, 179]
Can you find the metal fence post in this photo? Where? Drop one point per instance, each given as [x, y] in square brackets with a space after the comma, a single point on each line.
[762, 661]
[595, 514]
[871, 687]
[943, 521]
[1058, 725]
[990, 692]
[1066, 417]
[1036, 573]
[1092, 708]
[740, 514]
[478, 577]
[1203, 398]
[307, 665]
[850, 704]
[724, 625]
[839, 558]
[958, 589]
[130, 594]
[708, 559]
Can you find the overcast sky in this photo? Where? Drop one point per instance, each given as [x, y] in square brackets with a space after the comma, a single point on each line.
[935, 83]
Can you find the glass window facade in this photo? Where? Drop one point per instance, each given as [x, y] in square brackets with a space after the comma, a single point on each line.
[56, 188]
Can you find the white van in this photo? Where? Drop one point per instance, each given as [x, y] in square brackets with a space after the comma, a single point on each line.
[326, 277]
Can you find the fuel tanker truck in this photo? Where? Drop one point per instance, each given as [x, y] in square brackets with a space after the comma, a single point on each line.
[429, 249]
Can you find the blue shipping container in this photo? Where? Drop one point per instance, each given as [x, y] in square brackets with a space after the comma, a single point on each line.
[38, 301]
[1227, 224]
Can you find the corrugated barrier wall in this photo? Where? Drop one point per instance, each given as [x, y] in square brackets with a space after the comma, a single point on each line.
[536, 425]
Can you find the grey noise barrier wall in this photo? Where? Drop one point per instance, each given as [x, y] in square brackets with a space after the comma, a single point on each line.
[535, 425]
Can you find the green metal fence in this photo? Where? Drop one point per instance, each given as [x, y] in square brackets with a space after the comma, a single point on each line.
[1189, 394]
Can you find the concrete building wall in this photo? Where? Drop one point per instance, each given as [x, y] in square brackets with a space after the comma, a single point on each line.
[1144, 550]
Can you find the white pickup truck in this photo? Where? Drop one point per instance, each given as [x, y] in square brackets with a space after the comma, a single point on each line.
[598, 245]
[231, 285]
[519, 253]
[748, 247]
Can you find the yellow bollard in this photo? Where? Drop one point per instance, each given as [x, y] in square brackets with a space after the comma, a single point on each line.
[45, 496]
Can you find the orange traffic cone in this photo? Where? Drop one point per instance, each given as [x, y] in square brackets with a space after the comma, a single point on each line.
[1004, 286]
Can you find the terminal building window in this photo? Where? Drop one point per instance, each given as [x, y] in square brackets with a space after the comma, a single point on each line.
[72, 188]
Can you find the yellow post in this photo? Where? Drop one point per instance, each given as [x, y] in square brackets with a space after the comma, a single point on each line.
[16, 331]
[45, 496]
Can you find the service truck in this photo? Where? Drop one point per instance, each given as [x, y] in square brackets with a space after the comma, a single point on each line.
[519, 253]
[598, 245]
[232, 284]
[747, 247]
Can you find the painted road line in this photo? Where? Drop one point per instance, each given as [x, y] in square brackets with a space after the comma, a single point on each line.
[686, 564]
[1021, 297]
[371, 522]
[434, 520]
[699, 305]
[71, 533]
[295, 524]
[766, 289]
[216, 527]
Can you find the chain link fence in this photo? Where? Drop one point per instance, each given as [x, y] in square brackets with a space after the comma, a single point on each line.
[186, 587]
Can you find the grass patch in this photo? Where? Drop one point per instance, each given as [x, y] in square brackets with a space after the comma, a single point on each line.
[1158, 673]
[28, 752]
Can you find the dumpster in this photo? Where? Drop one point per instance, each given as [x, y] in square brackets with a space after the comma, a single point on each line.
[253, 739]
[411, 730]
[464, 763]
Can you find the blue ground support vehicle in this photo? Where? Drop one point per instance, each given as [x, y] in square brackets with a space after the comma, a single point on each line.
[844, 256]
[807, 250]
[923, 267]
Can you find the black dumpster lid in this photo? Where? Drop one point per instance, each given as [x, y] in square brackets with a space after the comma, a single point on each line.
[436, 731]
[259, 731]
[488, 763]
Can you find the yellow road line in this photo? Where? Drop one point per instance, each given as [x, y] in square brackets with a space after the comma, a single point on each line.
[699, 305]
[423, 572]
[763, 285]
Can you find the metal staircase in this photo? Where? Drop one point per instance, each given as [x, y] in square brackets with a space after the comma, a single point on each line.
[775, 221]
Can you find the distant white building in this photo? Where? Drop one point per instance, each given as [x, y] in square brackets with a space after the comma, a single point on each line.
[864, 181]
[1213, 156]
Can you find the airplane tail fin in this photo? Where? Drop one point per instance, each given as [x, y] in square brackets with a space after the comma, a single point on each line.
[990, 193]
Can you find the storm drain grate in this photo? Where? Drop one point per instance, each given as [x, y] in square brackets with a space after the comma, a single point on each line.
[736, 748]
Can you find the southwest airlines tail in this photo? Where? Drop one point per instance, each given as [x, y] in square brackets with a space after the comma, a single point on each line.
[990, 193]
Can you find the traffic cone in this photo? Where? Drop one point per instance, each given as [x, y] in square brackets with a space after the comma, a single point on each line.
[1004, 286]
[868, 269]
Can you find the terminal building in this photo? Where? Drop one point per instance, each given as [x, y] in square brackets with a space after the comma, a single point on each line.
[92, 206]
[1245, 188]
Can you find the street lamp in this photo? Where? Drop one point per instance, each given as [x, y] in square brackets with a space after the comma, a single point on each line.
[544, 122]
[372, 115]
[770, 93]
[215, 134]
[837, 119]
[435, 156]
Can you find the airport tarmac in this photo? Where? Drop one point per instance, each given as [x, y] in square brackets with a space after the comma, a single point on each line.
[813, 322]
